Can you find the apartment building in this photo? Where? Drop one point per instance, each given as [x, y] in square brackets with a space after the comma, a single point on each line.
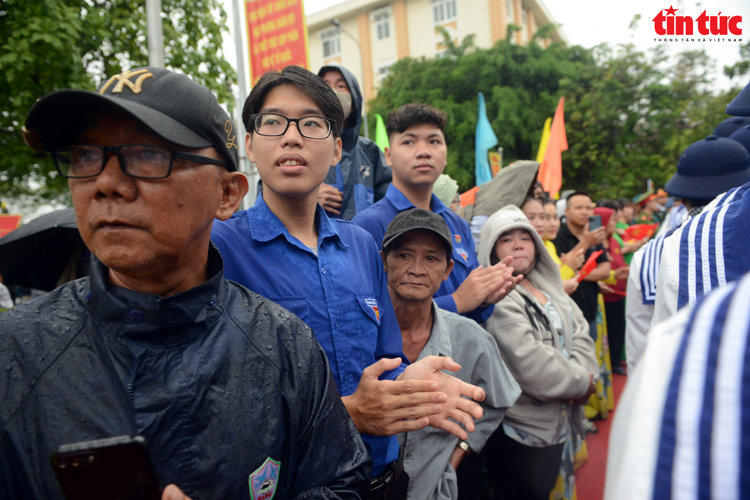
[374, 34]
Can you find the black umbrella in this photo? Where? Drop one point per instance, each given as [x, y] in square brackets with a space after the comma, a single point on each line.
[35, 254]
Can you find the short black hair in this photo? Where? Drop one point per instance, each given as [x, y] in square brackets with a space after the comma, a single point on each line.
[613, 204]
[625, 202]
[309, 83]
[412, 115]
[531, 198]
[576, 193]
[547, 201]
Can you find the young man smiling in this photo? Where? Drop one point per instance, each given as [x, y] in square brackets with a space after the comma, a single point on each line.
[328, 272]
[417, 155]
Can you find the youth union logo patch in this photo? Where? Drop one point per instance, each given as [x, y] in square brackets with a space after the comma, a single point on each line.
[374, 306]
[263, 481]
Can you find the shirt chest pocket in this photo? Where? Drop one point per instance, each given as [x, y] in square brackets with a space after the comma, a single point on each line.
[368, 314]
[295, 305]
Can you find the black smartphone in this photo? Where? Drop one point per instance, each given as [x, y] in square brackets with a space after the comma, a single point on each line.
[117, 468]
[595, 222]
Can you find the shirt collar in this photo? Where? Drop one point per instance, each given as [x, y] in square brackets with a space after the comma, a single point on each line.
[265, 225]
[439, 343]
[401, 202]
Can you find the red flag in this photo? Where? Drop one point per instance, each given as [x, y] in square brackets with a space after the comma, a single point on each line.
[8, 223]
[550, 171]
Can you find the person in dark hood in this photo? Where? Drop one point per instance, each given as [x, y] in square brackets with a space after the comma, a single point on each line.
[232, 393]
[362, 176]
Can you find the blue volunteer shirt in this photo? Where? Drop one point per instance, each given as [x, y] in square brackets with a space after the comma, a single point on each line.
[341, 294]
[375, 220]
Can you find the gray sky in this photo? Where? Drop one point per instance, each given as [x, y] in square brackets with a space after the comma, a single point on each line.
[590, 22]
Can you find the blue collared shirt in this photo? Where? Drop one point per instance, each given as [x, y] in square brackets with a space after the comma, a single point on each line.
[341, 294]
[375, 220]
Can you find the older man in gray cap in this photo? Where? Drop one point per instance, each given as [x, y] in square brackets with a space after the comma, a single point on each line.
[417, 251]
[232, 393]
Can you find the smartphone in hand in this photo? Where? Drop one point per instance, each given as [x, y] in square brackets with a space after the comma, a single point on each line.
[117, 468]
[595, 222]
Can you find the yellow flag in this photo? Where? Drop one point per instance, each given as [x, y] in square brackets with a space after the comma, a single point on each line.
[545, 140]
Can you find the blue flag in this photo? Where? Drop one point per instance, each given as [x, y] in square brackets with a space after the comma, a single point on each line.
[485, 139]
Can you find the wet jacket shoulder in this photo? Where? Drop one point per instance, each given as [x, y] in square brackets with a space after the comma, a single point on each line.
[362, 175]
[217, 379]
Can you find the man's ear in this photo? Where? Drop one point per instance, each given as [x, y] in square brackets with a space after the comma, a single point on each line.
[385, 264]
[337, 151]
[387, 153]
[234, 187]
[448, 270]
[249, 147]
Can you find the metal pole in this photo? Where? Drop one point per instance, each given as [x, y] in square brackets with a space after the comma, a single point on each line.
[241, 96]
[155, 34]
[337, 23]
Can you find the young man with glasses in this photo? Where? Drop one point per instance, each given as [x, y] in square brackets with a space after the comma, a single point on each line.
[329, 273]
[231, 392]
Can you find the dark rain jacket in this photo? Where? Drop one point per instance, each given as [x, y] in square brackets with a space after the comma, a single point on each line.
[362, 174]
[217, 379]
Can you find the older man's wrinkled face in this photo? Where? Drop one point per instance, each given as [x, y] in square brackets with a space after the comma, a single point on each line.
[417, 266]
[144, 227]
[519, 244]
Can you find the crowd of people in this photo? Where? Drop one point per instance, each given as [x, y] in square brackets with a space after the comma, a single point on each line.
[357, 333]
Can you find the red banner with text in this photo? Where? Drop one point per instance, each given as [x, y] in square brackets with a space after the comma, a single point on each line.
[277, 35]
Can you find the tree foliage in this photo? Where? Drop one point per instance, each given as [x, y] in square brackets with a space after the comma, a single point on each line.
[628, 115]
[47, 45]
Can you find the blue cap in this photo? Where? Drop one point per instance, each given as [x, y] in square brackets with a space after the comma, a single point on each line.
[740, 106]
[710, 167]
[742, 135]
[731, 125]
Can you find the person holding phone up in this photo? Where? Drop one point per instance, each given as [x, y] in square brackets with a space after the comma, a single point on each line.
[232, 393]
[576, 234]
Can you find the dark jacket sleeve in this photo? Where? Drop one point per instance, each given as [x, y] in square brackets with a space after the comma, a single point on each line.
[381, 172]
[330, 450]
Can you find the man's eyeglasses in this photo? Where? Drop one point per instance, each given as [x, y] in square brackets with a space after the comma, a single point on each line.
[312, 127]
[142, 161]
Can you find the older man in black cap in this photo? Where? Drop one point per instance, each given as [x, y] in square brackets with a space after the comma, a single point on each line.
[232, 393]
[417, 251]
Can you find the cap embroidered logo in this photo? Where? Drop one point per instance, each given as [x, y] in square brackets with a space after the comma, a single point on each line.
[124, 79]
[228, 128]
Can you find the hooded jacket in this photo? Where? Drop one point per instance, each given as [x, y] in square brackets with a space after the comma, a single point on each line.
[362, 174]
[530, 350]
[217, 379]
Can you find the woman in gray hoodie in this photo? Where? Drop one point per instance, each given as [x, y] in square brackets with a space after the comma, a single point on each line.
[543, 339]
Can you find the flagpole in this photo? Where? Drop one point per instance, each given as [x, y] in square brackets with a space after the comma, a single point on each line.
[241, 96]
[155, 34]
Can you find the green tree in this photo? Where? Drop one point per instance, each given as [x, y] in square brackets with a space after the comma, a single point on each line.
[628, 115]
[47, 45]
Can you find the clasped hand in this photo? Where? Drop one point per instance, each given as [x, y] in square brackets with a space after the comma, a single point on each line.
[422, 395]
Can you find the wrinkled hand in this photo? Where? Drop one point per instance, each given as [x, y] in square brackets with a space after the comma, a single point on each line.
[485, 285]
[460, 409]
[591, 238]
[574, 259]
[621, 273]
[456, 457]
[172, 492]
[381, 407]
[330, 198]
[585, 398]
[571, 285]
[604, 288]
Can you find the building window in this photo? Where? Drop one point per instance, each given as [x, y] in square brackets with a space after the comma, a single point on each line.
[524, 25]
[382, 20]
[509, 8]
[444, 10]
[331, 43]
[382, 71]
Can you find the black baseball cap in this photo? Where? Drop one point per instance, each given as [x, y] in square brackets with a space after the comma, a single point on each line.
[172, 105]
[417, 219]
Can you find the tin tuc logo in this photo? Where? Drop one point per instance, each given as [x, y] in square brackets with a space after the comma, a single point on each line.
[672, 24]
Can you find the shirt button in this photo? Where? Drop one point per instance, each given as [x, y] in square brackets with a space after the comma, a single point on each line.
[336, 324]
[408, 455]
[135, 316]
[323, 270]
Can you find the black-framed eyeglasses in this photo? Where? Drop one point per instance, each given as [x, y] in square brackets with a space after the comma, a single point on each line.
[142, 161]
[274, 125]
